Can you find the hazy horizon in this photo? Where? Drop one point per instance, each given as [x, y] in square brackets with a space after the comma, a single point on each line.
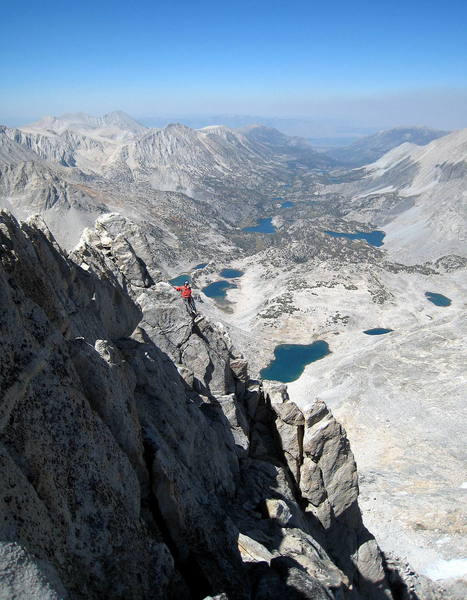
[327, 128]
[361, 65]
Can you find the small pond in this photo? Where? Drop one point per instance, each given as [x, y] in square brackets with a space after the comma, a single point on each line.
[264, 226]
[438, 299]
[218, 289]
[180, 280]
[231, 273]
[291, 359]
[287, 204]
[374, 238]
[200, 266]
[377, 331]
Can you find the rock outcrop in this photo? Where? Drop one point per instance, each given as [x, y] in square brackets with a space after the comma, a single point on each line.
[138, 459]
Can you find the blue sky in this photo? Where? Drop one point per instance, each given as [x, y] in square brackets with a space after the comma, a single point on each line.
[351, 60]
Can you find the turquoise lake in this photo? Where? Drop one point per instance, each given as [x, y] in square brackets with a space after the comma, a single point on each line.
[218, 289]
[374, 238]
[377, 331]
[231, 273]
[438, 299]
[264, 226]
[291, 359]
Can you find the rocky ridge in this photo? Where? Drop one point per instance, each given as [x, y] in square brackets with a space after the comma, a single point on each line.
[139, 460]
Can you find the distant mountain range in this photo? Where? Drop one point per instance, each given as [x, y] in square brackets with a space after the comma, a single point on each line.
[293, 126]
[86, 162]
[75, 167]
[115, 126]
[370, 148]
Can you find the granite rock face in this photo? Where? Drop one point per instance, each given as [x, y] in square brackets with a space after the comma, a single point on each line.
[137, 458]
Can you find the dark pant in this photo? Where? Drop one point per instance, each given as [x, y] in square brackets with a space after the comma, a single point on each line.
[190, 304]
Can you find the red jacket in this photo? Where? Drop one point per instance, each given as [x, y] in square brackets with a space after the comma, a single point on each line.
[186, 291]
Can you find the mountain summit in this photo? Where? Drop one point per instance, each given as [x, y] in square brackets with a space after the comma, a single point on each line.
[115, 126]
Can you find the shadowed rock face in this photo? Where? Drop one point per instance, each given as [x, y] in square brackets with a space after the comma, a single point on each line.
[137, 458]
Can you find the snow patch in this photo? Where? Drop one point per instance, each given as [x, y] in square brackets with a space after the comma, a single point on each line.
[446, 569]
[383, 190]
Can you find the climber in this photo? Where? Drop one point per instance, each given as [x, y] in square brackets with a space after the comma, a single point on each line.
[187, 296]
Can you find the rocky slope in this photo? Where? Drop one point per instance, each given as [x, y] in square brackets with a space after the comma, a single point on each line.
[417, 195]
[29, 184]
[140, 461]
[186, 229]
[204, 164]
